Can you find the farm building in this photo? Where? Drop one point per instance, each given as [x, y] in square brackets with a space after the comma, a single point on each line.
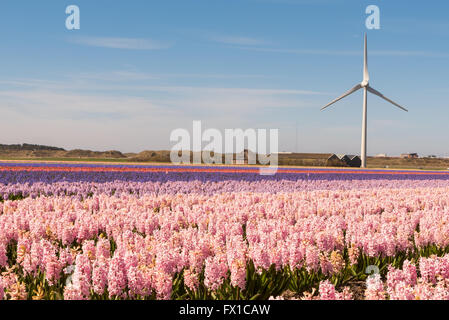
[354, 161]
[380, 155]
[409, 156]
[348, 159]
[335, 160]
[344, 158]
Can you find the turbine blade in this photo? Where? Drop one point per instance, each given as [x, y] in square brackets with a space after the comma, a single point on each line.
[377, 93]
[365, 65]
[357, 87]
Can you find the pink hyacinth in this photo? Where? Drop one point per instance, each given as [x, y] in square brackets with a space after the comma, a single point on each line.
[36, 256]
[83, 266]
[375, 288]
[100, 270]
[345, 294]
[136, 284]
[215, 271]
[312, 258]
[353, 253]
[65, 257]
[50, 262]
[89, 249]
[191, 280]
[163, 285]
[325, 264]
[82, 276]
[103, 248]
[3, 257]
[116, 277]
[73, 293]
[402, 291]
[52, 268]
[327, 291]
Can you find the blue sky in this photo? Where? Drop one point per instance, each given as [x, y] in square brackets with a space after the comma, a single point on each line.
[136, 70]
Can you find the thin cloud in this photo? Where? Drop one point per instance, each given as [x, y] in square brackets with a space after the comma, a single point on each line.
[216, 76]
[301, 51]
[65, 105]
[235, 40]
[245, 91]
[223, 38]
[200, 90]
[117, 76]
[140, 76]
[105, 102]
[121, 43]
[400, 53]
[427, 54]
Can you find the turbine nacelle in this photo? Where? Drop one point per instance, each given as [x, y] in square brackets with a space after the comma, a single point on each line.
[365, 83]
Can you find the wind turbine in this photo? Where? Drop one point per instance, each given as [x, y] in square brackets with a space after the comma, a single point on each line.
[366, 87]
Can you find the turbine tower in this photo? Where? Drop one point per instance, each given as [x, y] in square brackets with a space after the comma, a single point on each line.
[366, 87]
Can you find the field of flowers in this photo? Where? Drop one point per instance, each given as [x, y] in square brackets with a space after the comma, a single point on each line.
[79, 231]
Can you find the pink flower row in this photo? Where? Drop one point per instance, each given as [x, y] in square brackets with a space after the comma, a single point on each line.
[157, 236]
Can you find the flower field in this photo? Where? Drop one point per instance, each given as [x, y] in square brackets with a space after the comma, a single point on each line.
[78, 231]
